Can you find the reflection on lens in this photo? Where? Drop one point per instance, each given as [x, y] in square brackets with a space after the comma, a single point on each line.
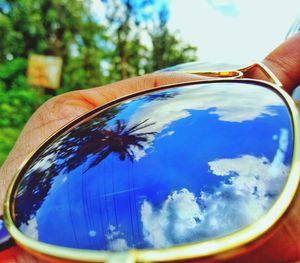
[207, 66]
[172, 167]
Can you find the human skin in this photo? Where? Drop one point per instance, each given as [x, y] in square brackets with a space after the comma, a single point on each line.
[284, 61]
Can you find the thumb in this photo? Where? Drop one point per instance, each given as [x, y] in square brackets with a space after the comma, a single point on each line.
[284, 62]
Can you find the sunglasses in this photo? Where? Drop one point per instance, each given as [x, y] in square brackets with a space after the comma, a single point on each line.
[191, 171]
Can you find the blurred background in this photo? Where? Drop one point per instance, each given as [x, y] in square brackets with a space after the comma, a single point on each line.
[48, 47]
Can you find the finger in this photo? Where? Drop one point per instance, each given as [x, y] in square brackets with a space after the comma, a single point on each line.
[284, 62]
[62, 109]
[91, 98]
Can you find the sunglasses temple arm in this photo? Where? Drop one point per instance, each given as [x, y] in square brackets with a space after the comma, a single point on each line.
[271, 77]
[240, 73]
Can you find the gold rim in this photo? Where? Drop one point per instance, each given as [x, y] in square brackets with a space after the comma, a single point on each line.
[209, 248]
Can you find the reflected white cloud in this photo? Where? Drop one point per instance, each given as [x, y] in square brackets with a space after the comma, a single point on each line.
[167, 134]
[249, 189]
[30, 229]
[280, 153]
[175, 220]
[92, 233]
[44, 163]
[225, 100]
[114, 239]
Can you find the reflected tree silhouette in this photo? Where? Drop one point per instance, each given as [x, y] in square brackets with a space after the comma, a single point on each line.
[87, 144]
[93, 140]
[119, 140]
[161, 96]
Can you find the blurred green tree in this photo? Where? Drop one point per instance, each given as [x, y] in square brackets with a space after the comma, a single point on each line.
[167, 48]
[17, 102]
[125, 28]
[131, 40]
[141, 40]
[48, 27]
[54, 27]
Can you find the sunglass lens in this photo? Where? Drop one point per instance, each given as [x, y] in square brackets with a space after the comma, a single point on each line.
[172, 167]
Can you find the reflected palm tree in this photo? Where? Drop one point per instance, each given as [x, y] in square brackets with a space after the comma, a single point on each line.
[94, 141]
[120, 140]
[161, 96]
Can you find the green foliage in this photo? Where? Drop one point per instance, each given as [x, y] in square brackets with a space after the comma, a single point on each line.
[93, 53]
[18, 100]
[8, 137]
[168, 50]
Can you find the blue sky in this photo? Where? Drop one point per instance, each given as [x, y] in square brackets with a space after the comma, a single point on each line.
[236, 31]
[233, 30]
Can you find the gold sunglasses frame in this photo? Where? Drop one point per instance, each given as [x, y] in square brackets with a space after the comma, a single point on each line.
[215, 249]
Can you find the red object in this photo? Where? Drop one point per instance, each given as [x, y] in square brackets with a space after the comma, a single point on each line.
[16, 254]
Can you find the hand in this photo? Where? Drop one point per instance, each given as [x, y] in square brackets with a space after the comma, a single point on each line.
[284, 62]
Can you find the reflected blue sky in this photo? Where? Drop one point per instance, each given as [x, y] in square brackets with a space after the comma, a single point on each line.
[4, 236]
[207, 160]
